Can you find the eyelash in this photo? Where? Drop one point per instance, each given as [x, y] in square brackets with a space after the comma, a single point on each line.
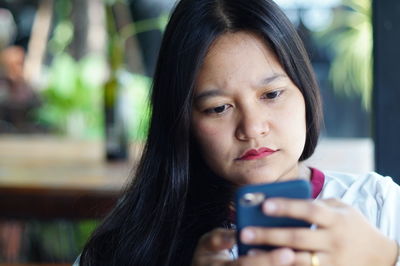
[213, 110]
[275, 94]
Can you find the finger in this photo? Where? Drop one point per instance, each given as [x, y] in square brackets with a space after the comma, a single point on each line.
[334, 203]
[216, 240]
[296, 238]
[315, 212]
[220, 258]
[305, 258]
[277, 257]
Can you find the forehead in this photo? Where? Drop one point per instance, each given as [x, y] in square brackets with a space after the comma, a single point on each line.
[238, 41]
[238, 57]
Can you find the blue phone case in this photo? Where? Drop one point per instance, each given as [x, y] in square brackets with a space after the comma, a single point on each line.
[251, 214]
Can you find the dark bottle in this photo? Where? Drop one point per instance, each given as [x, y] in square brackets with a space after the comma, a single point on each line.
[115, 124]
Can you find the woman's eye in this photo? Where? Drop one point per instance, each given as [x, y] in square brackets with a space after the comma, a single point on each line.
[218, 109]
[272, 95]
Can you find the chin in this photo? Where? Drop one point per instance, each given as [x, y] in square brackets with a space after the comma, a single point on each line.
[257, 180]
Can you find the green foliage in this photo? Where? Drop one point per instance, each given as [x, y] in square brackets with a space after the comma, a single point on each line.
[158, 23]
[350, 37]
[74, 95]
[83, 231]
[72, 99]
[64, 29]
[53, 241]
[136, 89]
[57, 241]
[62, 37]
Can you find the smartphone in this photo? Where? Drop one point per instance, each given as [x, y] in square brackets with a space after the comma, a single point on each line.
[249, 200]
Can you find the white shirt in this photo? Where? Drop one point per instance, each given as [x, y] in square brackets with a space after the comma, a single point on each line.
[375, 196]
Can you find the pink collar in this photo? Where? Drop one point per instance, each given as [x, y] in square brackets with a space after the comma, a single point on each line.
[317, 182]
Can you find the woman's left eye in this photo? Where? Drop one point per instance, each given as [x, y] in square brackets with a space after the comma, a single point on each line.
[272, 95]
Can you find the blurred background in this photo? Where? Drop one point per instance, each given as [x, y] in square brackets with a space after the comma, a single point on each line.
[74, 82]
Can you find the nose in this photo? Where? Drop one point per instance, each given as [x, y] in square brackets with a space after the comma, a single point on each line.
[252, 124]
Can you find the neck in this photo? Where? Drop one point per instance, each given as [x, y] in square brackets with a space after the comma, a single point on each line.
[304, 172]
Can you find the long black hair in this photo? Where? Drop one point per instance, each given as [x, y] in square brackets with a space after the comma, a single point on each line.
[174, 198]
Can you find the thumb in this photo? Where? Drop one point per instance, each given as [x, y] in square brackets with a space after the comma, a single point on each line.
[216, 240]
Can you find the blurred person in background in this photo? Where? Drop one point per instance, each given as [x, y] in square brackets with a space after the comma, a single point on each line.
[17, 98]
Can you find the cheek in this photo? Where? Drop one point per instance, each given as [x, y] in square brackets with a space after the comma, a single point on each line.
[294, 126]
[206, 130]
[211, 137]
[299, 126]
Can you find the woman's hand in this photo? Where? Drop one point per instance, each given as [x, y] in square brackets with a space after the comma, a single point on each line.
[213, 247]
[344, 237]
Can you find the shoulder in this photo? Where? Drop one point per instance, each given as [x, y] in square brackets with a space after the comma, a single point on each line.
[366, 192]
[377, 197]
[339, 184]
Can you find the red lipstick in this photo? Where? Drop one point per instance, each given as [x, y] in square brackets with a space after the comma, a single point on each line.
[254, 154]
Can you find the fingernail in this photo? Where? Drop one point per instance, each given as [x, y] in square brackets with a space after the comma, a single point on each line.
[247, 235]
[270, 207]
[253, 252]
[286, 256]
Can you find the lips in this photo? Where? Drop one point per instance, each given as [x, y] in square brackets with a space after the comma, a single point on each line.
[254, 154]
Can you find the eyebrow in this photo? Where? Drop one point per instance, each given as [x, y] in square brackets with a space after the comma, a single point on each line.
[218, 92]
[272, 78]
[208, 94]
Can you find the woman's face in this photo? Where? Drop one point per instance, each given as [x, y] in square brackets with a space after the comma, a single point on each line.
[248, 116]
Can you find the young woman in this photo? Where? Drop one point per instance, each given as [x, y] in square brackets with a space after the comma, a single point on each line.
[235, 102]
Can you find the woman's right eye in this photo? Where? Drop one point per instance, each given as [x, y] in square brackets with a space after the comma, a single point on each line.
[217, 110]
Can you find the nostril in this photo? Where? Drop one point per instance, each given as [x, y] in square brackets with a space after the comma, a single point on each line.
[252, 124]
